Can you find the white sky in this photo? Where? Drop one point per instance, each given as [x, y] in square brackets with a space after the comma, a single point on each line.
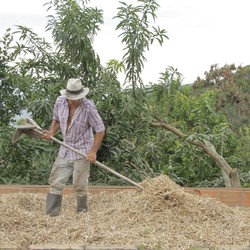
[201, 33]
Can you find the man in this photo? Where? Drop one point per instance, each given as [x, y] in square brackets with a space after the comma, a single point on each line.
[83, 129]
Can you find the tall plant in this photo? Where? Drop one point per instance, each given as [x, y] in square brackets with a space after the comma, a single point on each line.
[73, 29]
[137, 35]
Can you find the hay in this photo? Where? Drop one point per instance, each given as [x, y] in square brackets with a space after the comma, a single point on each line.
[162, 216]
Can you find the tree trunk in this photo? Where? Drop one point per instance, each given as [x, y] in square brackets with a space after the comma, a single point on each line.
[230, 175]
[226, 179]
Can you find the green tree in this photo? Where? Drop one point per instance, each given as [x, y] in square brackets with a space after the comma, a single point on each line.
[8, 90]
[232, 84]
[37, 71]
[73, 29]
[137, 35]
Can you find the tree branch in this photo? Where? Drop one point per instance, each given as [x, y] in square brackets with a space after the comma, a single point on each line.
[209, 149]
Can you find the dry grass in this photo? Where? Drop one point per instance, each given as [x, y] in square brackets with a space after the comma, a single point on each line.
[162, 216]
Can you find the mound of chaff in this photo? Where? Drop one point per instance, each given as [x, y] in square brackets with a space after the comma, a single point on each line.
[162, 216]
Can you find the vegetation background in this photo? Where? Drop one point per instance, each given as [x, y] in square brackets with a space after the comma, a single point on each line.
[213, 109]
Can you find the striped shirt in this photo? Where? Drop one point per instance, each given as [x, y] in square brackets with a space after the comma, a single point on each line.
[80, 134]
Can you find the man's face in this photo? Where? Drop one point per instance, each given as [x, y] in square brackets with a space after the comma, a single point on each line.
[74, 103]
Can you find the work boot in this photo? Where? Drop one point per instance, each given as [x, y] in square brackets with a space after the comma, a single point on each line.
[53, 204]
[82, 205]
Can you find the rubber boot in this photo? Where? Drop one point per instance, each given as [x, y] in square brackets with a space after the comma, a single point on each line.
[53, 204]
[82, 205]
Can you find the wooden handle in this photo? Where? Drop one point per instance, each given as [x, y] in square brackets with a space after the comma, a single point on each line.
[97, 163]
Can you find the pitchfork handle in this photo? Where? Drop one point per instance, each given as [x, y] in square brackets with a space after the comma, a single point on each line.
[97, 163]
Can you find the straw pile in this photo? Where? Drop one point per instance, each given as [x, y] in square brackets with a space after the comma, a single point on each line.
[162, 216]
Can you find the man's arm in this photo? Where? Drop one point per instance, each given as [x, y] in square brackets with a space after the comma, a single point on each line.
[91, 156]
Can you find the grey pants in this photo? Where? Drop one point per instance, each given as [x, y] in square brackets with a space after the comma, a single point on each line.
[62, 170]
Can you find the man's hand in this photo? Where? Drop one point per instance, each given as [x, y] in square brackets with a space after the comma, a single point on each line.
[53, 129]
[91, 157]
[47, 135]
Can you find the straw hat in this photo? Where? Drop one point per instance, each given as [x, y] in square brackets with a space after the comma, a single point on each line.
[74, 90]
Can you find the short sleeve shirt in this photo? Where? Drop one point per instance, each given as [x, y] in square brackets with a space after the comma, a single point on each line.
[80, 134]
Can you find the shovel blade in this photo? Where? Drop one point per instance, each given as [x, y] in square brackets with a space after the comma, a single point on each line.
[33, 133]
[28, 132]
[16, 136]
[29, 128]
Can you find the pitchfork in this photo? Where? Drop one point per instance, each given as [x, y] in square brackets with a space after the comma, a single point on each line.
[32, 129]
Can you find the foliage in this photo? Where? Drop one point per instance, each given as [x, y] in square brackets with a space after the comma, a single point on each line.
[8, 107]
[232, 84]
[195, 115]
[213, 109]
[20, 121]
[125, 119]
[26, 161]
[137, 34]
[73, 29]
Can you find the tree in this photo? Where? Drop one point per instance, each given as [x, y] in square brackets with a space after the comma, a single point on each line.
[8, 90]
[137, 34]
[232, 84]
[37, 71]
[231, 176]
[73, 29]
[178, 109]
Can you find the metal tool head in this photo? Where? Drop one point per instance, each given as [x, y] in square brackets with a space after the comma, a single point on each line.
[28, 127]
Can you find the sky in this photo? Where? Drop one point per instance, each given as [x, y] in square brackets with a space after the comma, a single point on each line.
[201, 33]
